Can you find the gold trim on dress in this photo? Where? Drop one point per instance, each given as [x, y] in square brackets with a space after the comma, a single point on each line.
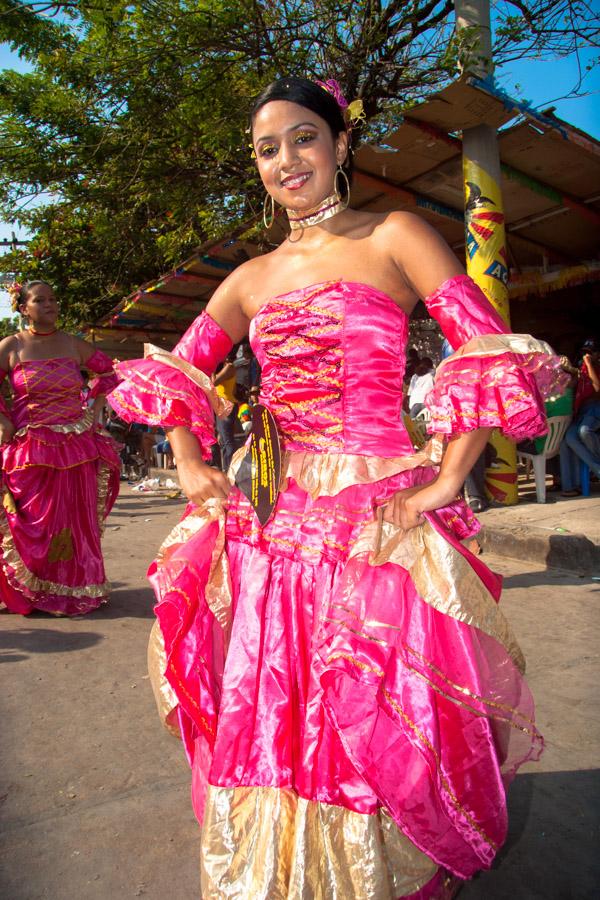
[220, 405]
[442, 576]
[81, 425]
[166, 699]
[495, 344]
[328, 474]
[266, 843]
[21, 576]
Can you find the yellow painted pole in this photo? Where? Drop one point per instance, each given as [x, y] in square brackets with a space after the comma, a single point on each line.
[484, 226]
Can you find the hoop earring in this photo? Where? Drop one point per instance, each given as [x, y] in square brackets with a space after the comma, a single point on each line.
[268, 223]
[346, 199]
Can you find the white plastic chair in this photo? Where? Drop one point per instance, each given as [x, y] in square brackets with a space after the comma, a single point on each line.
[557, 426]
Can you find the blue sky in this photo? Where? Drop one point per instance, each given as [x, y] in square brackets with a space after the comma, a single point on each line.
[542, 84]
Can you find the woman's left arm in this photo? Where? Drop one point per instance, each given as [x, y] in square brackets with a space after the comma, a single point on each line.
[495, 380]
[406, 508]
[106, 379]
[425, 261]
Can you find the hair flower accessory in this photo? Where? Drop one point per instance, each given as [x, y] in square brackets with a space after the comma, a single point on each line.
[14, 292]
[354, 112]
[333, 87]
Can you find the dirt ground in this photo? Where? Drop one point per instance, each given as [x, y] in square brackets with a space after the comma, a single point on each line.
[94, 794]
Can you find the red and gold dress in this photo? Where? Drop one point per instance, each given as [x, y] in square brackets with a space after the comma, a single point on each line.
[60, 478]
[350, 696]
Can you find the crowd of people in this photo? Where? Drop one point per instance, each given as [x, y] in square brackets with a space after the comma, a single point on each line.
[348, 692]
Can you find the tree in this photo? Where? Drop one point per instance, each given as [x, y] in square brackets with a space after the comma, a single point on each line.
[126, 145]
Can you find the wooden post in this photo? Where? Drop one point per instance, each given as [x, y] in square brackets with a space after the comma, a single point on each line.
[484, 220]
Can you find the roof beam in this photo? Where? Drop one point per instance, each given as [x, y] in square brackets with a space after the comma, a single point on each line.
[534, 184]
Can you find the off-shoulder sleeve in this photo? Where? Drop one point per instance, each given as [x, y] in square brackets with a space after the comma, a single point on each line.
[494, 379]
[171, 389]
[106, 378]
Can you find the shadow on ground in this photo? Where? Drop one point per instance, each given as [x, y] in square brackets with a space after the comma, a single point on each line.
[17, 645]
[128, 603]
[551, 849]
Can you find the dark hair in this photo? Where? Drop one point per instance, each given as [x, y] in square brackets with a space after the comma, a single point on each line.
[21, 296]
[311, 96]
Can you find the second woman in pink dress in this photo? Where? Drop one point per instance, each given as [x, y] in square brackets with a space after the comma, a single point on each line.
[60, 473]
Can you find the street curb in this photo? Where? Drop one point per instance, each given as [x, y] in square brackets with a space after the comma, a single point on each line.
[573, 552]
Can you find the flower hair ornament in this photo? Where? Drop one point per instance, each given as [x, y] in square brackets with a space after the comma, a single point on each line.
[353, 112]
[14, 292]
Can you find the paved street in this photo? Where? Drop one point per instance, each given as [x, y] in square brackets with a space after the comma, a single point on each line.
[94, 794]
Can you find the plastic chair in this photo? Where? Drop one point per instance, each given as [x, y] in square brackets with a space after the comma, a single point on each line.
[557, 426]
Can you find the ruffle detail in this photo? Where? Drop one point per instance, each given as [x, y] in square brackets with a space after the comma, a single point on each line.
[168, 392]
[106, 379]
[59, 447]
[496, 381]
[414, 677]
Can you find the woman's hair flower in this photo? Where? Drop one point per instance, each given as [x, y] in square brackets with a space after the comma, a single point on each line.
[333, 87]
[353, 112]
[14, 292]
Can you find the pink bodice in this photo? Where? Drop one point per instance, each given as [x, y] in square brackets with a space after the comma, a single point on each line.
[332, 358]
[46, 392]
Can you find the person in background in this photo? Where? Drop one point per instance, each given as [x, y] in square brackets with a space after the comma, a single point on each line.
[582, 440]
[420, 385]
[412, 359]
[60, 472]
[225, 382]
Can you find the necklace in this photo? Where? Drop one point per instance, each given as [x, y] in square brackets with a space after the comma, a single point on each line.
[32, 330]
[328, 207]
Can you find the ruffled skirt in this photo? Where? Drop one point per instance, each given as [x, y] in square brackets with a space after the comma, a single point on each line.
[350, 697]
[58, 488]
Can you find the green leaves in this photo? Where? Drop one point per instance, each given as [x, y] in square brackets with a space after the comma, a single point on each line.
[125, 147]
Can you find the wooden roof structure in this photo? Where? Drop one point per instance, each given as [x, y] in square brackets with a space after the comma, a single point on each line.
[550, 184]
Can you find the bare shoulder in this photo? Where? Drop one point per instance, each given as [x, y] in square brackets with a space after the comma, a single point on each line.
[232, 302]
[82, 348]
[419, 252]
[8, 346]
[408, 226]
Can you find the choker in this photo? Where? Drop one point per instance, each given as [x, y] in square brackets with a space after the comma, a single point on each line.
[32, 330]
[329, 207]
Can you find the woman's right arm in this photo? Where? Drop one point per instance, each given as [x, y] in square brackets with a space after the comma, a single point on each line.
[199, 481]
[7, 429]
[174, 389]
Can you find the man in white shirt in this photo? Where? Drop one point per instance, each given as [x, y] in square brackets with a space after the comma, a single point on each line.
[420, 385]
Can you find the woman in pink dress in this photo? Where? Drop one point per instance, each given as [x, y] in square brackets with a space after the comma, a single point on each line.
[349, 694]
[60, 474]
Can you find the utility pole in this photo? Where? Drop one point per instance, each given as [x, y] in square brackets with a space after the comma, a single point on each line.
[484, 218]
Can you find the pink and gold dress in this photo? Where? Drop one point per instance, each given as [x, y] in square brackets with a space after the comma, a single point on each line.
[350, 697]
[60, 478]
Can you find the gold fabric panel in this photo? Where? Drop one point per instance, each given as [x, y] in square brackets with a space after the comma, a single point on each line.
[61, 547]
[442, 577]
[103, 481]
[79, 427]
[22, 576]
[327, 474]
[218, 588]
[220, 405]
[494, 344]
[166, 700]
[267, 843]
